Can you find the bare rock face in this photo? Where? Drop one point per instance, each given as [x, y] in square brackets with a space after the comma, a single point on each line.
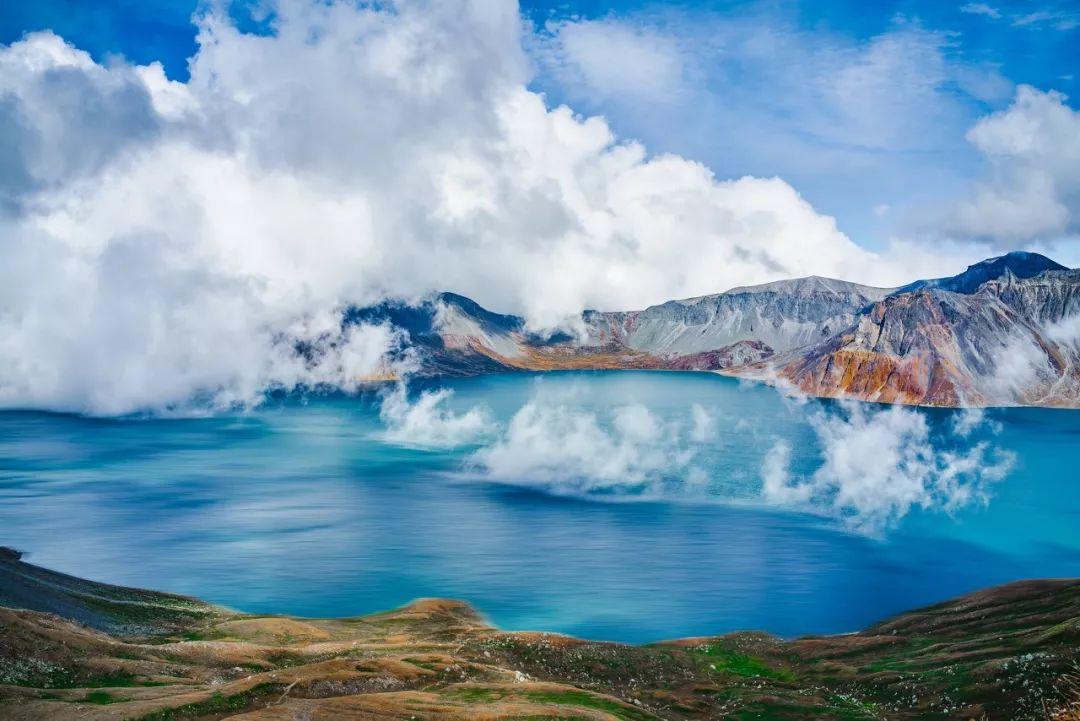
[783, 315]
[1012, 342]
[1006, 331]
[1018, 263]
[732, 357]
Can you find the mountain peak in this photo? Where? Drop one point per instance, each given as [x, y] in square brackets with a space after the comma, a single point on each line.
[807, 285]
[1019, 263]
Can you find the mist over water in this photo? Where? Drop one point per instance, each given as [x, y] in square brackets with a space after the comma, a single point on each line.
[623, 505]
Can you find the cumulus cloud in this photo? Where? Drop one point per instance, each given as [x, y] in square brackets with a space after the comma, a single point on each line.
[565, 448]
[877, 465]
[165, 241]
[1033, 190]
[429, 422]
[651, 65]
[750, 89]
[558, 443]
[168, 241]
[63, 116]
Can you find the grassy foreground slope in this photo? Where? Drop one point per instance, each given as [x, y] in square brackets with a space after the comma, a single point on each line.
[75, 649]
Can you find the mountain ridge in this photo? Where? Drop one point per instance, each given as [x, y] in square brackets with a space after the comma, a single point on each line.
[1022, 264]
[1005, 331]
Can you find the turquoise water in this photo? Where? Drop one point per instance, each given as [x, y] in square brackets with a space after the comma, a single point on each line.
[625, 506]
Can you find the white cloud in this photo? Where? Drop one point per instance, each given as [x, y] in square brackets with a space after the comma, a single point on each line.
[1025, 370]
[849, 121]
[635, 63]
[895, 91]
[564, 448]
[1033, 189]
[981, 9]
[557, 443]
[428, 422]
[166, 240]
[1049, 17]
[876, 465]
[1046, 17]
[968, 421]
[1019, 366]
[704, 424]
[1066, 332]
[63, 116]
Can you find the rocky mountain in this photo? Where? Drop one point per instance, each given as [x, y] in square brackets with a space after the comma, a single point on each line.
[1017, 263]
[1013, 341]
[1006, 331]
[782, 315]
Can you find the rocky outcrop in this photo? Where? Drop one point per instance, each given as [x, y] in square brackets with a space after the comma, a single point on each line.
[782, 315]
[733, 357]
[1017, 264]
[1006, 331]
[1012, 342]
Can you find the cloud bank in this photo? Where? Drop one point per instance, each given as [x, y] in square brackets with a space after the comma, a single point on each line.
[428, 422]
[878, 465]
[172, 244]
[567, 449]
[557, 443]
[1033, 148]
[165, 241]
[875, 466]
[856, 123]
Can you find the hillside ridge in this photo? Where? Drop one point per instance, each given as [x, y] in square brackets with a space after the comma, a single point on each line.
[1001, 653]
[1004, 332]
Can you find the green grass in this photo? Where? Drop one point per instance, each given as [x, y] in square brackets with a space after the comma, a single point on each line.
[194, 636]
[426, 665]
[137, 610]
[546, 718]
[65, 678]
[581, 699]
[102, 698]
[584, 699]
[216, 704]
[779, 711]
[723, 660]
[120, 679]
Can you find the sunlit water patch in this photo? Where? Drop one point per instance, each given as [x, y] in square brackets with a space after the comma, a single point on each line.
[630, 506]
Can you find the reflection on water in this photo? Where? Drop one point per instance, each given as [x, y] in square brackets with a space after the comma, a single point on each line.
[304, 507]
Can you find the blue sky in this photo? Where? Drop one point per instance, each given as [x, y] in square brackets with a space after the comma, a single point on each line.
[337, 152]
[880, 162]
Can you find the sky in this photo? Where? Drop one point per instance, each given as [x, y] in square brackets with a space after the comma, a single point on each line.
[735, 85]
[177, 179]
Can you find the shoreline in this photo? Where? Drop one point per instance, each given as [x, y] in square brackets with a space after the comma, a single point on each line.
[81, 649]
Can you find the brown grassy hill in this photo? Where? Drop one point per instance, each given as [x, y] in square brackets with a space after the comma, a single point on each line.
[1002, 653]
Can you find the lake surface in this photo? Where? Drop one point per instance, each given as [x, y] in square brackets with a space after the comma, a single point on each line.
[613, 505]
